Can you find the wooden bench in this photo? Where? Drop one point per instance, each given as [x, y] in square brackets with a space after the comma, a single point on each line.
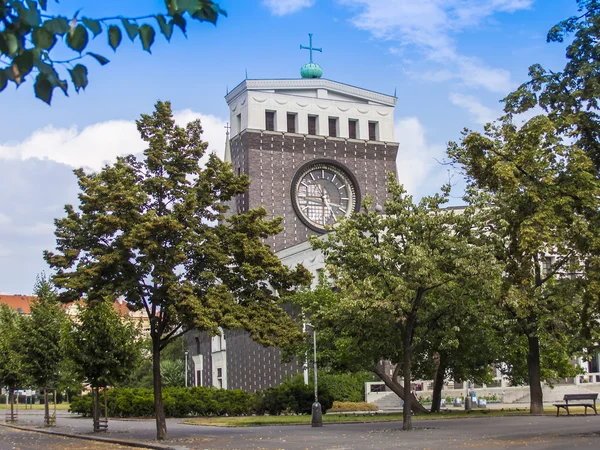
[578, 399]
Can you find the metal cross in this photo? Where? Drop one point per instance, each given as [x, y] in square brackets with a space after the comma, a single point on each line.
[227, 127]
[310, 47]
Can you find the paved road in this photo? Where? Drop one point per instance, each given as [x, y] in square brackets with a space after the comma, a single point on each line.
[477, 433]
[11, 439]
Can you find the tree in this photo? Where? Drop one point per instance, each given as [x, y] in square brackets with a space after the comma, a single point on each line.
[103, 346]
[12, 372]
[146, 230]
[536, 191]
[569, 97]
[393, 271]
[41, 337]
[29, 35]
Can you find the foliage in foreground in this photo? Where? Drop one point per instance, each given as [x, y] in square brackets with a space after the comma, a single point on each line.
[29, 34]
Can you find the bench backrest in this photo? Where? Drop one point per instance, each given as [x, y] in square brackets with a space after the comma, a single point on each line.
[589, 396]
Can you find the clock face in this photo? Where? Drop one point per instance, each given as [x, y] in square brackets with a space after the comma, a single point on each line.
[323, 193]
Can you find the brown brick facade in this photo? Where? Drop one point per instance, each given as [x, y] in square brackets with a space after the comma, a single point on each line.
[271, 159]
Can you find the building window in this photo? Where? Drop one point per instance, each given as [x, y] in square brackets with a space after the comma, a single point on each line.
[333, 124]
[373, 131]
[238, 122]
[197, 345]
[198, 378]
[270, 120]
[312, 125]
[220, 377]
[353, 129]
[291, 122]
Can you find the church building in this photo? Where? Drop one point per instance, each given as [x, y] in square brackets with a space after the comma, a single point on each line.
[312, 148]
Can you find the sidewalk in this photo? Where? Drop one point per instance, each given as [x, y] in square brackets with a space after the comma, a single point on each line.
[531, 432]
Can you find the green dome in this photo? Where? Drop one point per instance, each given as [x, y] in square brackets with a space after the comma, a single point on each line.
[311, 70]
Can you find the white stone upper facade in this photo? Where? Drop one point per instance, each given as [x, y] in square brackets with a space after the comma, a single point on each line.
[372, 112]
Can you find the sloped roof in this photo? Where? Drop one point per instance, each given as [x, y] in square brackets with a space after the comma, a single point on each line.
[17, 302]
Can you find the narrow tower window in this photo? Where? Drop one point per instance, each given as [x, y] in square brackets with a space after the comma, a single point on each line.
[291, 122]
[373, 131]
[312, 124]
[352, 128]
[333, 123]
[270, 120]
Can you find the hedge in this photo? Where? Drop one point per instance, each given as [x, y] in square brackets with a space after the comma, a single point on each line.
[292, 397]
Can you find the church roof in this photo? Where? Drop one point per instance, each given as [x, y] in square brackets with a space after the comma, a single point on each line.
[286, 84]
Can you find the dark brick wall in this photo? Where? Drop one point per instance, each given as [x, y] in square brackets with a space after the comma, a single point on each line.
[272, 158]
[252, 367]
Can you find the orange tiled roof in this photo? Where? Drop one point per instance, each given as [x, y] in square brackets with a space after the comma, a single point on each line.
[21, 304]
[17, 302]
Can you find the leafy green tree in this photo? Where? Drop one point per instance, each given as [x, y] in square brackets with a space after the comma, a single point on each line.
[569, 97]
[172, 373]
[393, 270]
[145, 230]
[41, 338]
[536, 191]
[12, 372]
[30, 36]
[103, 346]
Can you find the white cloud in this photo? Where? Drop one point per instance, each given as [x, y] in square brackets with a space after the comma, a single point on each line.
[430, 27]
[100, 143]
[284, 7]
[481, 114]
[418, 168]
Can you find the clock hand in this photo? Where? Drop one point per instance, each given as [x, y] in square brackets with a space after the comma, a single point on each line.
[330, 209]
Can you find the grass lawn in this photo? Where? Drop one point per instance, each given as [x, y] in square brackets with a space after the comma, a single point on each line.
[59, 407]
[251, 421]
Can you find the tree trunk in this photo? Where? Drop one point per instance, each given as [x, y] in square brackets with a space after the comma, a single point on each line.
[11, 396]
[398, 389]
[95, 409]
[408, 397]
[535, 382]
[46, 408]
[161, 423]
[438, 384]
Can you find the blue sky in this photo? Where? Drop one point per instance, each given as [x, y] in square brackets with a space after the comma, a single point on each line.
[450, 62]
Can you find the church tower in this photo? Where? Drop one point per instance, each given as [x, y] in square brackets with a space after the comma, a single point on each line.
[312, 148]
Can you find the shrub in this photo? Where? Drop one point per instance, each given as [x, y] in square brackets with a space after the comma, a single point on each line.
[353, 406]
[81, 404]
[292, 396]
[346, 387]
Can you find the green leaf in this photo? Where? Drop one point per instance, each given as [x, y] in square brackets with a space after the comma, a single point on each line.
[93, 25]
[43, 88]
[77, 39]
[179, 21]
[79, 76]
[166, 28]
[3, 80]
[101, 59]
[22, 65]
[8, 43]
[114, 36]
[31, 15]
[131, 28]
[58, 25]
[44, 39]
[147, 34]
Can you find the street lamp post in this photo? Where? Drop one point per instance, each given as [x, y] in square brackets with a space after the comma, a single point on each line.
[186, 368]
[317, 413]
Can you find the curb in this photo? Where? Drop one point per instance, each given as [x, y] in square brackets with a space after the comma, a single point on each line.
[92, 438]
